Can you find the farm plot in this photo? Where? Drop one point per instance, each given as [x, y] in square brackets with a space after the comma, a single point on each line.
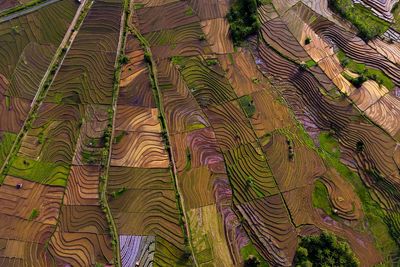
[185, 40]
[386, 113]
[13, 113]
[270, 228]
[147, 207]
[390, 51]
[57, 125]
[28, 43]
[216, 153]
[202, 176]
[19, 253]
[230, 125]
[186, 33]
[249, 174]
[81, 238]
[36, 202]
[381, 8]
[288, 167]
[207, 84]
[208, 237]
[297, 92]
[217, 33]
[267, 12]
[276, 33]
[322, 7]
[207, 9]
[86, 75]
[195, 149]
[165, 17]
[182, 111]
[235, 234]
[197, 185]
[91, 141]
[137, 249]
[82, 249]
[203, 181]
[138, 139]
[82, 187]
[135, 86]
[195, 155]
[267, 106]
[344, 200]
[241, 73]
[8, 4]
[39, 171]
[139, 148]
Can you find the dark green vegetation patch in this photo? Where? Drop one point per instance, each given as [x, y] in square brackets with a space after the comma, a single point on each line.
[368, 25]
[324, 250]
[243, 20]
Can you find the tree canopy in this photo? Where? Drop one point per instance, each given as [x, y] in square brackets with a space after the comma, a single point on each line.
[243, 20]
[324, 250]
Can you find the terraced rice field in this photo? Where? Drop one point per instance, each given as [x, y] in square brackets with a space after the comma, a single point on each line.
[141, 133]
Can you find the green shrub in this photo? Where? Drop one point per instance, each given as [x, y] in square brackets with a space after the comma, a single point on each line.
[123, 59]
[34, 214]
[8, 102]
[211, 62]
[118, 192]
[247, 104]
[357, 82]
[311, 63]
[147, 57]
[189, 11]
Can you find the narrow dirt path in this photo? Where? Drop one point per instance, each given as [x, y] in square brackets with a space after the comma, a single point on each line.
[104, 175]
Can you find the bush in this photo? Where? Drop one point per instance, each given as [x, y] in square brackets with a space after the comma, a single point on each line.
[324, 250]
[247, 103]
[357, 82]
[123, 59]
[147, 57]
[252, 261]
[243, 20]
[34, 214]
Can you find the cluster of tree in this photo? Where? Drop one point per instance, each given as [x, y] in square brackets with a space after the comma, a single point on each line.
[324, 250]
[243, 19]
[368, 25]
[357, 81]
